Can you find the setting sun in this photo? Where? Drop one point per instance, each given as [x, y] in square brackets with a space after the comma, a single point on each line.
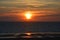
[28, 15]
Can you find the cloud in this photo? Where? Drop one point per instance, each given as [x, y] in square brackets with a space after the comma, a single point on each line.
[13, 7]
[7, 0]
[30, 3]
[49, 0]
[54, 6]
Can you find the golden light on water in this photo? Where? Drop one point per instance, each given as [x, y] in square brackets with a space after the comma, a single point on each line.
[28, 15]
[28, 34]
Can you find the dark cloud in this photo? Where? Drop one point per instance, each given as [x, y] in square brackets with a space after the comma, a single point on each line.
[54, 6]
[49, 0]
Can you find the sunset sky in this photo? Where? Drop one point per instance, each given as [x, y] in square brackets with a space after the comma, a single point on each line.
[43, 10]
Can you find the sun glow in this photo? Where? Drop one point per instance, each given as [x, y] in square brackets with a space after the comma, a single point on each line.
[28, 15]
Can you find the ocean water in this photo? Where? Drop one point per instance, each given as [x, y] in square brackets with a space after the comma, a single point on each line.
[19, 27]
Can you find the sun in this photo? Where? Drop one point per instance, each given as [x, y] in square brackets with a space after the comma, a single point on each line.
[28, 15]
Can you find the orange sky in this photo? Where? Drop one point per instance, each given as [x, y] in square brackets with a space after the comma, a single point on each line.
[42, 10]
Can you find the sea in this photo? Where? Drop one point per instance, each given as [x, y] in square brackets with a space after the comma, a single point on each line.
[19, 27]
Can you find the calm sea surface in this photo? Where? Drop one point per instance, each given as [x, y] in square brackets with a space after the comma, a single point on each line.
[18, 27]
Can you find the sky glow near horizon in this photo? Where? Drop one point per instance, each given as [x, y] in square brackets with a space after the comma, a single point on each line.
[51, 8]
